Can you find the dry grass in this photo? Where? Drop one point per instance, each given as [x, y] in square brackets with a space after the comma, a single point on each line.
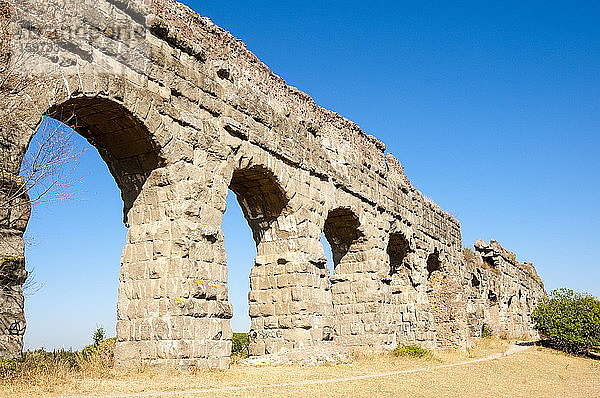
[537, 372]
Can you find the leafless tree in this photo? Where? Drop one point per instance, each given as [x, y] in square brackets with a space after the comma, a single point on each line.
[47, 170]
[46, 175]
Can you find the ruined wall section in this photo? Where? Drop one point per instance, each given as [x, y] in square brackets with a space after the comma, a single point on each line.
[288, 124]
[212, 110]
[501, 291]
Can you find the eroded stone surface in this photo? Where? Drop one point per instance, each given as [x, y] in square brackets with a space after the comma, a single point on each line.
[501, 292]
[182, 112]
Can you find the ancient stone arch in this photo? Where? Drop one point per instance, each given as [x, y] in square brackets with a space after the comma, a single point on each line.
[123, 141]
[182, 112]
[398, 250]
[342, 230]
[434, 264]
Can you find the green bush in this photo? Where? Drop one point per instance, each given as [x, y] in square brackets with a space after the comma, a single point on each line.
[570, 320]
[99, 335]
[486, 332]
[240, 344]
[107, 345]
[99, 342]
[412, 351]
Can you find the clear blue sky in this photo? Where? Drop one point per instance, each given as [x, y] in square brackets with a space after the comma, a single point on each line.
[494, 110]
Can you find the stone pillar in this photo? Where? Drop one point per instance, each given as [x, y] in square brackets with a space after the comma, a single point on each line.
[290, 303]
[173, 307]
[406, 280]
[363, 315]
[289, 300]
[15, 211]
[446, 299]
[14, 214]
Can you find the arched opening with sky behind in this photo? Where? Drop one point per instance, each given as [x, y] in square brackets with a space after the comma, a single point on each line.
[241, 251]
[494, 114]
[74, 251]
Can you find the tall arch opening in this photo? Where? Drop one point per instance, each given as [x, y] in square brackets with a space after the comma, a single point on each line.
[121, 139]
[261, 198]
[73, 242]
[401, 271]
[126, 147]
[240, 249]
[342, 232]
[433, 263]
[262, 202]
[397, 252]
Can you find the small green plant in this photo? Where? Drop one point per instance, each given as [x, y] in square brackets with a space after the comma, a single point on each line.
[100, 347]
[570, 320]
[412, 351]
[99, 335]
[241, 344]
[486, 332]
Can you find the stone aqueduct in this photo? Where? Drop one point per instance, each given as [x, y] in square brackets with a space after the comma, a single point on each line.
[182, 112]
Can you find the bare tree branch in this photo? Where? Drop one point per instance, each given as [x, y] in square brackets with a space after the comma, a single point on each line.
[47, 170]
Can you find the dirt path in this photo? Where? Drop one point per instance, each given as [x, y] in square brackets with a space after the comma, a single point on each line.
[512, 350]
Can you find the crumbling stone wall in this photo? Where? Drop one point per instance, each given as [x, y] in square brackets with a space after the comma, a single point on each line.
[182, 113]
[501, 292]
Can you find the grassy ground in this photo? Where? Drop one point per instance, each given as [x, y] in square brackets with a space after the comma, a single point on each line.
[537, 372]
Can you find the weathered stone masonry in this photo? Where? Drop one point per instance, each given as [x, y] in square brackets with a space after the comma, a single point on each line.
[501, 292]
[182, 112]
